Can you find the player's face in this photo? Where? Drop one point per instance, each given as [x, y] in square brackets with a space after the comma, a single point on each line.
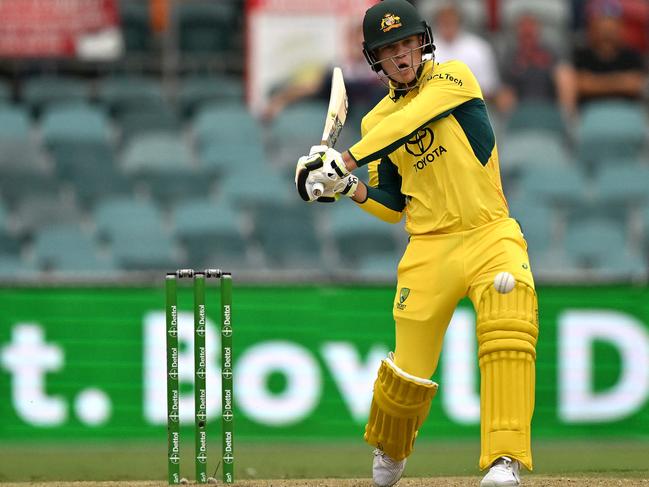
[401, 59]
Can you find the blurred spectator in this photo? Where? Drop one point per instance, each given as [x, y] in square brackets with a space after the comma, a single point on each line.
[634, 15]
[533, 70]
[453, 42]
[364, 89]
[605, 66]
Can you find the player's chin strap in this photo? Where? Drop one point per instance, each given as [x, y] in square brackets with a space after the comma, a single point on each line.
[399, 90]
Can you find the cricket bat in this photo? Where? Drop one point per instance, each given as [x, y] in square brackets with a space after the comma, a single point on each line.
[336, 116]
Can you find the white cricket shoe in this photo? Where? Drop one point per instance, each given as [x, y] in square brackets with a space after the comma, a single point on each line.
[503, 473]
[385, 471]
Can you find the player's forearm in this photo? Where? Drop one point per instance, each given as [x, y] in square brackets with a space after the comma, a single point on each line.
[361, 193]
[350, 162]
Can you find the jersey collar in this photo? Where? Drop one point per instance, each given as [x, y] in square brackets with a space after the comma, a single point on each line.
[424, 70]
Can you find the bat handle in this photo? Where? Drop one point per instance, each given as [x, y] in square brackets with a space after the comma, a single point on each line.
[317, 189]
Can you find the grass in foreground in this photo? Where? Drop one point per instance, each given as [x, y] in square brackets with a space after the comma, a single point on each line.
[309, 461]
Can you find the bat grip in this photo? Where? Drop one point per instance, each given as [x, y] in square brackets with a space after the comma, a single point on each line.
[317, 189]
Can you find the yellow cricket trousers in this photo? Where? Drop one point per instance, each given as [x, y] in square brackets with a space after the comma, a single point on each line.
[434, 274]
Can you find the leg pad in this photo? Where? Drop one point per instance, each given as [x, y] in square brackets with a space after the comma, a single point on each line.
[399, 407]
[507, 333]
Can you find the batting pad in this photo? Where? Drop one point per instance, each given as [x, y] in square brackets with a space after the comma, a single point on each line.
[507, 333]
[399, 407]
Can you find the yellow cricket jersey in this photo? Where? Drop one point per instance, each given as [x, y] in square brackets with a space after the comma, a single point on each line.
[432, 153]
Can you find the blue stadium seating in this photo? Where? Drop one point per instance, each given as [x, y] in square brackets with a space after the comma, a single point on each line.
[611, 130]
[40, 93]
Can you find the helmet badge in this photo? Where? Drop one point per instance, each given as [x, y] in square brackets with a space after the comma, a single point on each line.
[390, 21]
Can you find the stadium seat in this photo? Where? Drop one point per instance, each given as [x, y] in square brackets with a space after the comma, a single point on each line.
[206, 28]
[226, 158]
[196, 91]
[135, 121]
[357, 234]
[621, 183]
[536, 221]
[611, 130]
[75, 123]
[67, 248]
[136, 27]
[528, 148]
[557, 185]
[151, 152]
[626, 264]
[24, 171]
[537, 117]
[14, 122]
[287, 236]
[90, 170]
[210, 232]
[121, 92]
[22, 156]
[249, 189]
[231, 123]
[645, 228]
[42, 92]
[592, 241]
[13, 267]
[8, 243]
[139, 249]
[5, 93]
[294, 131]
[121, 215]
[378, 267]
[164, 163]
[35, 212]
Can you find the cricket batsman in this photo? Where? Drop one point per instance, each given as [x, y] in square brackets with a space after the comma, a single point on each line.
[432, 157]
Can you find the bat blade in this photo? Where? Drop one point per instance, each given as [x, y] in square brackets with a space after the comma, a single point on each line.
[337, 110]
[336, 116]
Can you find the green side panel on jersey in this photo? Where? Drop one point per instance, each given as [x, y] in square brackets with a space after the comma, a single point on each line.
[474, 120]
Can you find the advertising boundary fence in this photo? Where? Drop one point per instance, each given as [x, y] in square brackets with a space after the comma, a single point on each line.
[97, 357]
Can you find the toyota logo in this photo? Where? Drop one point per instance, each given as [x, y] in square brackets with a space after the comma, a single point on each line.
[420, 142]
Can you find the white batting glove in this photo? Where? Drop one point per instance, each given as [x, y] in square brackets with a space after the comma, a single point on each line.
[334, 166]
[346, 186]
[308, 173]
[318, 149]
[311, 172]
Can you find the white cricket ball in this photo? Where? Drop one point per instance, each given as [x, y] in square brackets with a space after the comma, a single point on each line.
[504, 282]
[184, 481]
[211, 480]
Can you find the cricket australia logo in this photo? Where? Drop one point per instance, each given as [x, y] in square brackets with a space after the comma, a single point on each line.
[403, 295]
[390, 21]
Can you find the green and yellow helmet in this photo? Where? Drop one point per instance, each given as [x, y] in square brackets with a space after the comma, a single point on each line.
[391, 21]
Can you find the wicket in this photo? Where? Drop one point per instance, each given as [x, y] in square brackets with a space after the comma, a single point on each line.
[200, 368]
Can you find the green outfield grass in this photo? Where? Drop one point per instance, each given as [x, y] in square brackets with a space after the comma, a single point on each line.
[22, 462]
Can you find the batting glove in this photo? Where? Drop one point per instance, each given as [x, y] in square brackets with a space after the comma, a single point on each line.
[311, 171]
[333, 164]
[318, 149]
